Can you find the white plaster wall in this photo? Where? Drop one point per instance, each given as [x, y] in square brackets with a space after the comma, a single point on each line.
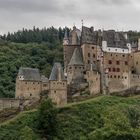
[105, 48]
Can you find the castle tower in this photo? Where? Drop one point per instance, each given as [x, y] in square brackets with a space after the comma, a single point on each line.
[58, 85]
[76, 68]
[70, 42]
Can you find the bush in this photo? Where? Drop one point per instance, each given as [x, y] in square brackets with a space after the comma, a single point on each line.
[47, 119]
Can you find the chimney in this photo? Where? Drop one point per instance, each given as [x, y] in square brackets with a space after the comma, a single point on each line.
[59, 74]
[92, 29]
[125, 36]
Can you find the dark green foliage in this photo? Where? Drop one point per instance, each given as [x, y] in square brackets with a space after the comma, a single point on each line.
[27, 133]
[13, 56]
[47, 119]
[50, 35]
[16, 130]
[133, 36]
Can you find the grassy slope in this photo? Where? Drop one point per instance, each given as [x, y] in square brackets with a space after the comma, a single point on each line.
[81, 121]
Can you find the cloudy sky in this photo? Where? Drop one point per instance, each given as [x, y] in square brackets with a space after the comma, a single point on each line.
[107, 14]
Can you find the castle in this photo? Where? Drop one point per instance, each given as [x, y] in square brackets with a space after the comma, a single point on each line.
[94, 60]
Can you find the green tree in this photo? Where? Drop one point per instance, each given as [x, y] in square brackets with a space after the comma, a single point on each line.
[47, 119]
[27, 133]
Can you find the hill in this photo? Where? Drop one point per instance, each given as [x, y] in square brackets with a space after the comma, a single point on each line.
[101, 118]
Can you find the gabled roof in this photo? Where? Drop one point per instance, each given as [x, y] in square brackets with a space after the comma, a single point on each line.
[76, 58]
[114, 39]
[89, 35]
[57, 72]
[30, 74]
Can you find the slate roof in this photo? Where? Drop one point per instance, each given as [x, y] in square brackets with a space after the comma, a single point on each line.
[114, 39]
[89, 35]
[78, 32]
[76, 58]
[56, 70]
[30, 74]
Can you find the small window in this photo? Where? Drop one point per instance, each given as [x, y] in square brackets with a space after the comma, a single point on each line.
[125, 77]
[88, 54]
[109, 69]
[114, 69]
[114, 76]
[118, 62]
[123, 55]
[126, 63]
[118, 69]
[93, 55]
[93, 48]
[137, 63]
[110, 76]
[75, 67]
[69, 67]
[109, 62]
[44, 85]
[118, 76]
[88, 61]
[55, 91]
[33, 83]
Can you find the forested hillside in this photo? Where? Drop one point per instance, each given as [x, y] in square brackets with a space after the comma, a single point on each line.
[24, 49]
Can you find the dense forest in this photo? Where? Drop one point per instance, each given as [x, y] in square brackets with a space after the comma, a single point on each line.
[101, 118]
[28, 48]
[50, 35]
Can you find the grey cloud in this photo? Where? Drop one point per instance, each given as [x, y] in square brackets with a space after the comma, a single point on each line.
[16, 14]
[115, 2]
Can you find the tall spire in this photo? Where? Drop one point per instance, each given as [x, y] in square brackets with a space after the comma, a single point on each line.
[66, 34]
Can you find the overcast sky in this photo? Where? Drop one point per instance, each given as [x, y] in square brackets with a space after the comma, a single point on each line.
[107, 14]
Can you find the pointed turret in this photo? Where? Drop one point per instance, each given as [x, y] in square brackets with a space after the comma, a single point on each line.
[76, 58]
[66, 40]
[57, 73]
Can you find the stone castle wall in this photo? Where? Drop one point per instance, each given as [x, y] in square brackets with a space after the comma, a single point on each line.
[9, 103]
[28, 89]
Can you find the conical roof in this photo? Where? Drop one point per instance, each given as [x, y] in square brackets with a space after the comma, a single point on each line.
[76, 58]
[57, 72]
